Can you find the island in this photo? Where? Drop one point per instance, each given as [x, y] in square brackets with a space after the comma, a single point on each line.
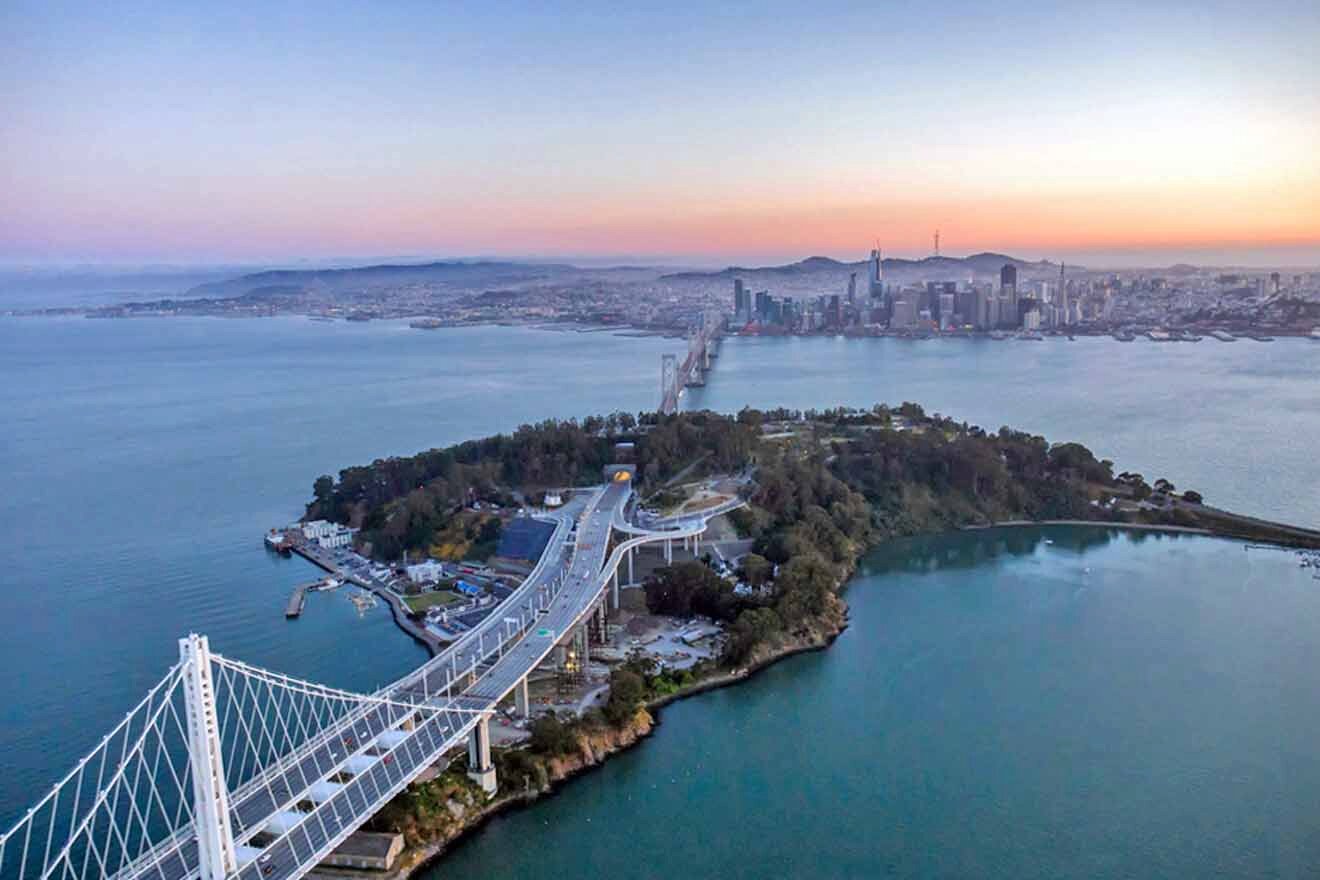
[789, 500]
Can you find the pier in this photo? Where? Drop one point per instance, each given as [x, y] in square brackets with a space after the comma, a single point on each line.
[325, 561]
[297, 600]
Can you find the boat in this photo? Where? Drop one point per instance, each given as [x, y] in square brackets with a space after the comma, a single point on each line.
[1315, 334]
[330, 583]
[1223, 336]
[1259, 337]
[1124, 336]
[1159, 336]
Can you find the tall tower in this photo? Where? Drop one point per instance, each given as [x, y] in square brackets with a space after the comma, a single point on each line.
[877, 275]
[937, 242]
[1008, 304]
[852, 289]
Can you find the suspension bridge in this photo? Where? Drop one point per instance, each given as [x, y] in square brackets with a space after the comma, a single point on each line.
[703, 344]
[227, 770]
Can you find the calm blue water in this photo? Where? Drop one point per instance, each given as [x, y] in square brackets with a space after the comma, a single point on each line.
[999, 707]
[144, 460]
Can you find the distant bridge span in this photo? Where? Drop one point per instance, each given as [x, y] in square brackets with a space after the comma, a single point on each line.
[703, 343]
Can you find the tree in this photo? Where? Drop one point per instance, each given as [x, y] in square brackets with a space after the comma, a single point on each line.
[627, 691]
[323, 490]
[690, 588]
[550, 736]
[753, 626]
[756, 569]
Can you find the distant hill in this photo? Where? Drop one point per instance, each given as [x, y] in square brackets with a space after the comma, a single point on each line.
[460, 274]
[927, 268]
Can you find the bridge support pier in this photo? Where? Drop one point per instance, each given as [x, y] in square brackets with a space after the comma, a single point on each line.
[614, 593]
[480, 769]
[631, 579]
[669, 552]
[521, 699]
[582, 646]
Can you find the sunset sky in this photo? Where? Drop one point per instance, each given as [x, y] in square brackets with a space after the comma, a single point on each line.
[1094, 132]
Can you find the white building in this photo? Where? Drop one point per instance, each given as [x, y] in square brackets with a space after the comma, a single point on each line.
[428, 572]
[327, 534]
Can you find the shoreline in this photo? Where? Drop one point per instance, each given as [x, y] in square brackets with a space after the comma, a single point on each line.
[1139, 333]
[1136, 527]
[430, 854]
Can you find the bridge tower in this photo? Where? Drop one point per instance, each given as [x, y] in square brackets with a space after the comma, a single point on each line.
[216, 855]
[668, 383]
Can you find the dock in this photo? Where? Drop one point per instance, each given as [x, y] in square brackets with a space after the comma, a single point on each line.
[398, 610]
[297, 600]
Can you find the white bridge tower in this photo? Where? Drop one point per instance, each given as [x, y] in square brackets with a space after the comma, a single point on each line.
[217, 857]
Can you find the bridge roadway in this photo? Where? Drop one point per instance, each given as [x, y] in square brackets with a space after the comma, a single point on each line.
[375, 757]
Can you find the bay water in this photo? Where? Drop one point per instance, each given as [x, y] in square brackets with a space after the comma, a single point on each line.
[943, 735]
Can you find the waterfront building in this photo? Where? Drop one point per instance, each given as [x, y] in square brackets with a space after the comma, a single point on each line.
[327, 535]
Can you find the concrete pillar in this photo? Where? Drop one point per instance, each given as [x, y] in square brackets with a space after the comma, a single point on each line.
[614, 595]
[669, 551]
[583, 646]
[631, 551]
[480, 768]
[521, 701]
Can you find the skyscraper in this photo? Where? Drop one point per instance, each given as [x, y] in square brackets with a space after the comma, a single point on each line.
[1008, 276]
[852, 289]
[741, 301]
[1008, 298]
[877, 275]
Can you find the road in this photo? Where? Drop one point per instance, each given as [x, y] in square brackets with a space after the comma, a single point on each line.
[384, 759]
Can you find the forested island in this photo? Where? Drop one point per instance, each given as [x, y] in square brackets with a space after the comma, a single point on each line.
[822, 488]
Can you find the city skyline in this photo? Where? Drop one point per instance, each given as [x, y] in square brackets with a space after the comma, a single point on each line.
[1105, 137]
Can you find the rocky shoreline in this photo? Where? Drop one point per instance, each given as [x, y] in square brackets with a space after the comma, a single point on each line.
[595, 749]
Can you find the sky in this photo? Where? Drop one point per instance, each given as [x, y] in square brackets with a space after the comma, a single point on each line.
[1121, 133]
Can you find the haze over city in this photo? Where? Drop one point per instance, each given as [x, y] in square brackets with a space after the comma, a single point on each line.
[1111, 134]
